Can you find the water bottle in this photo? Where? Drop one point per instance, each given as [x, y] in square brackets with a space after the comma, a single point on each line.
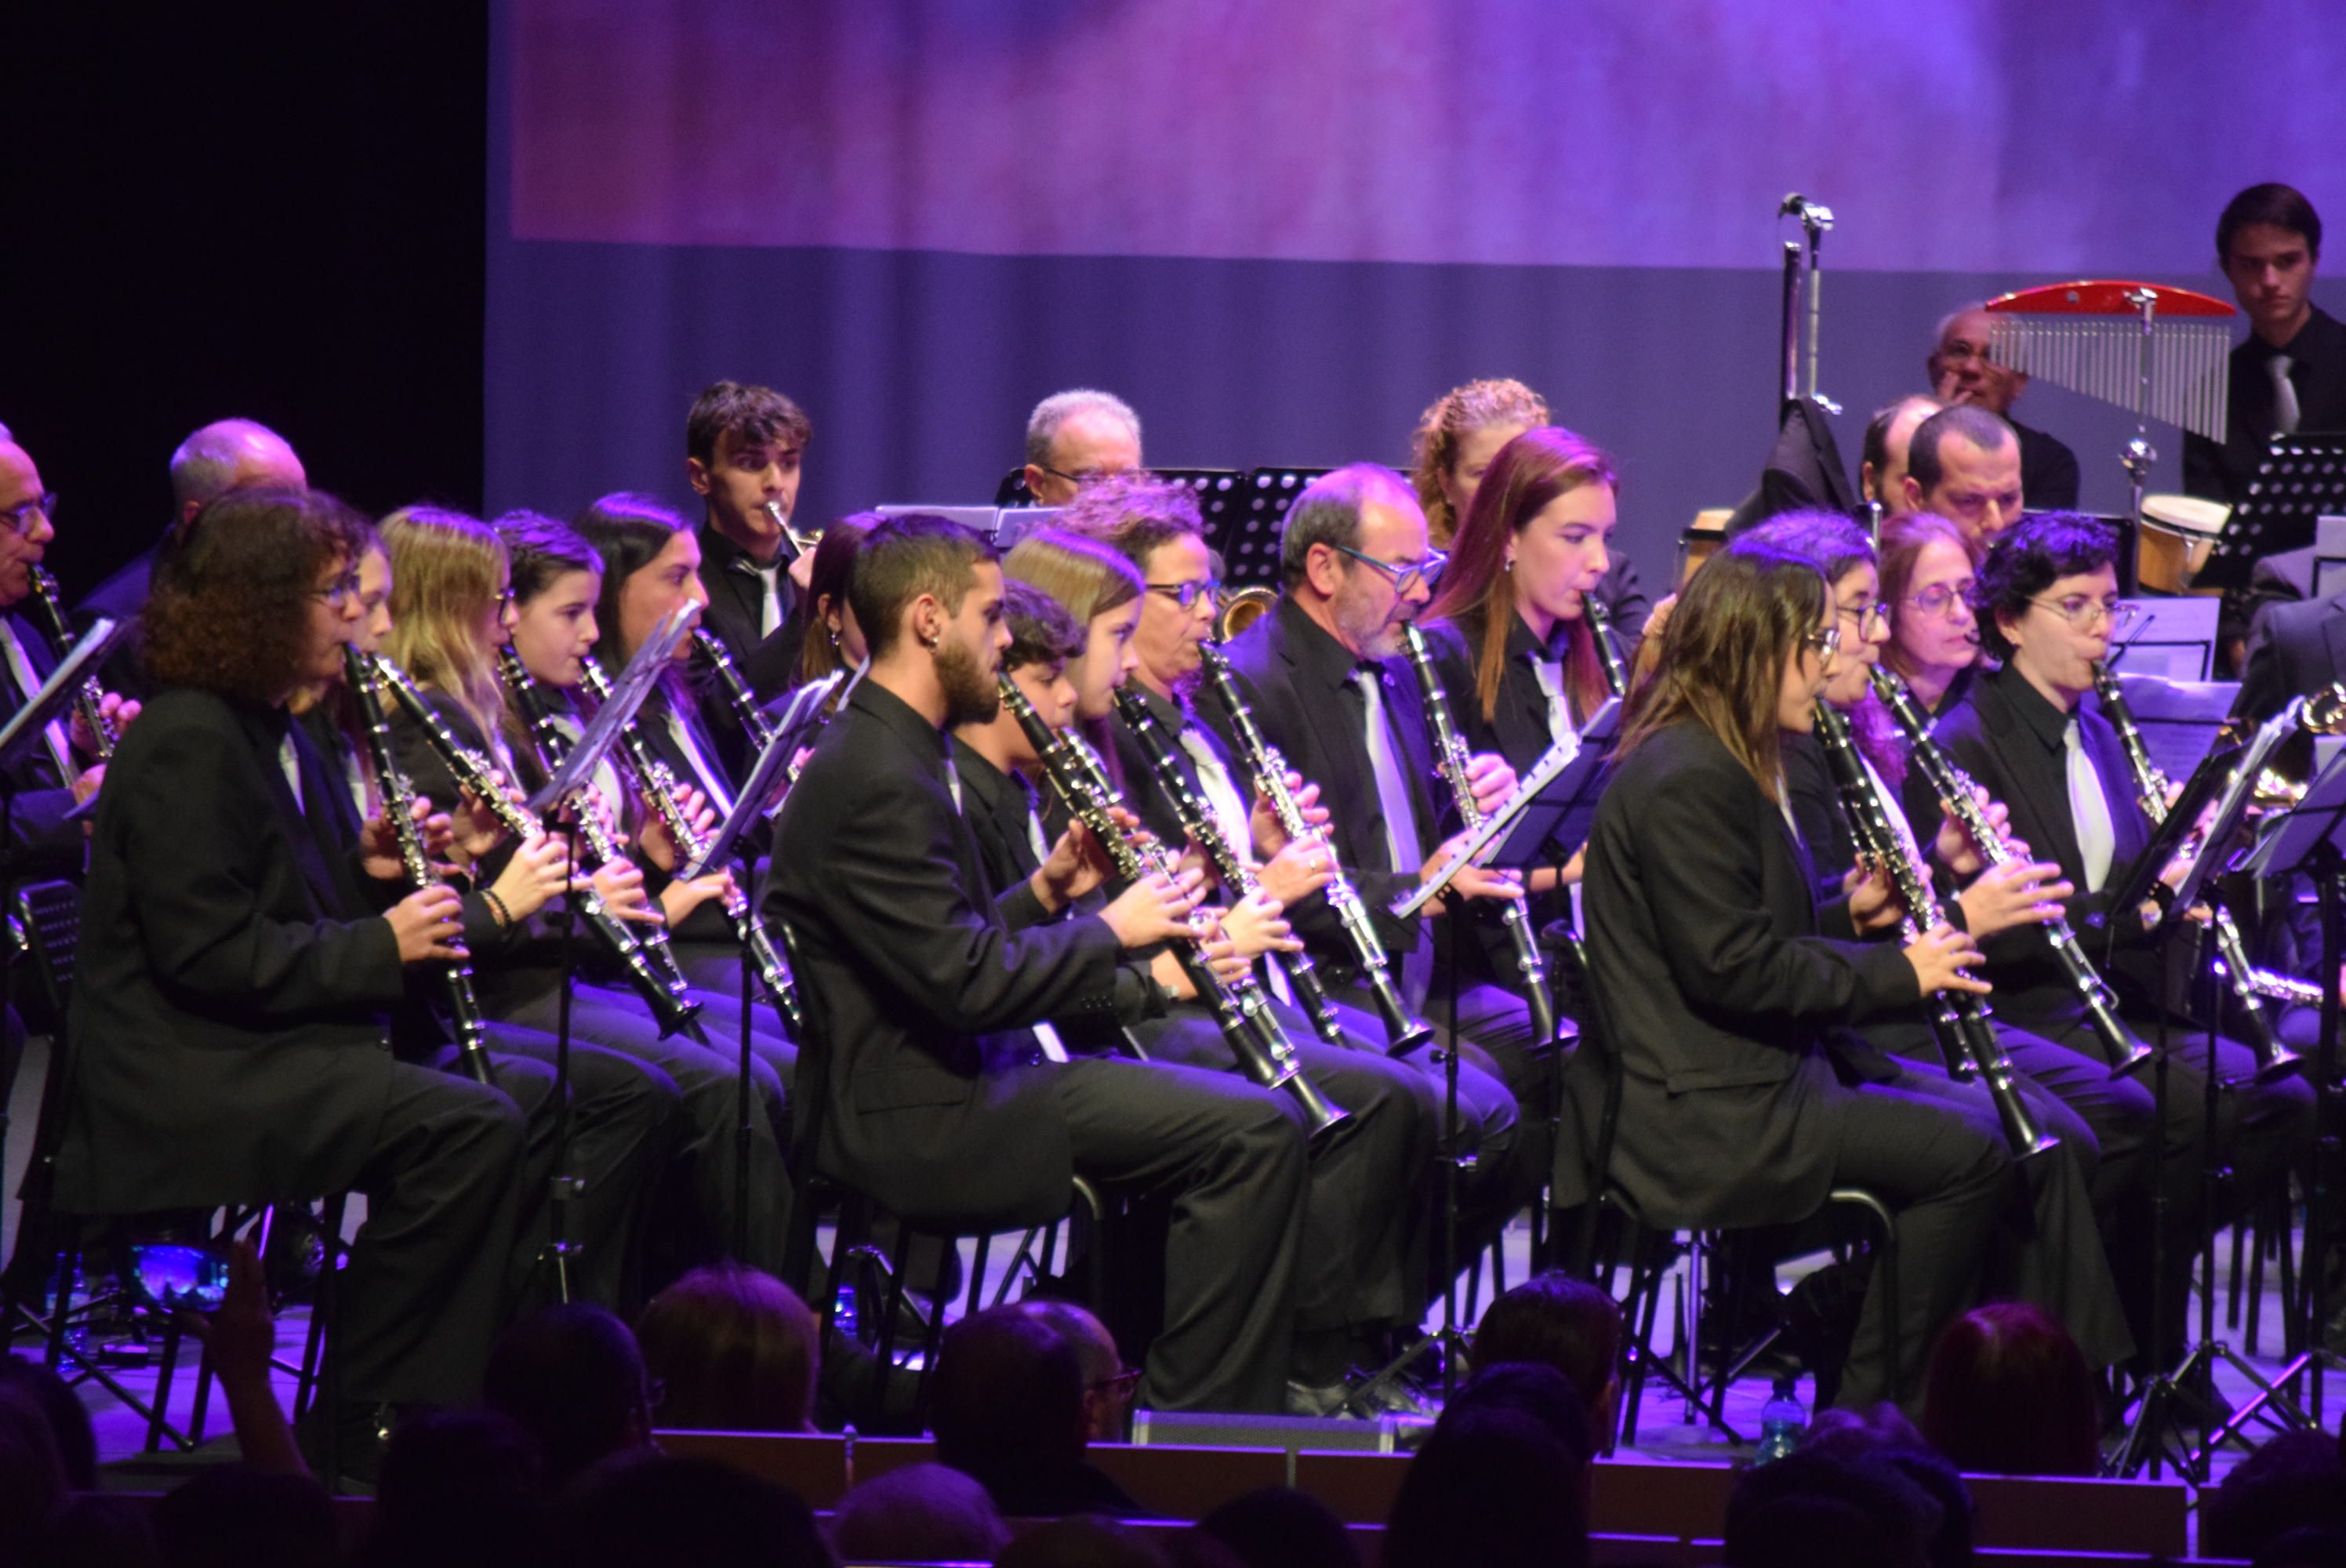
[1782, 1421]
[842, 1312]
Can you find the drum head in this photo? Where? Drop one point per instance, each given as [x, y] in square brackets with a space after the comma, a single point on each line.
[2186, 514]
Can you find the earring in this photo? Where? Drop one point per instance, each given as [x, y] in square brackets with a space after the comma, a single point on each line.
[1509, 565]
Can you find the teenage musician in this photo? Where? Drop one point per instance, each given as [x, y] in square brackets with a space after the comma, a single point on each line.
[2048, 599]
[938, 1105]
[833, 642]
[1721, 978]
[1360, 1267]
[745, 448]
[623, 1115]
[245, 944]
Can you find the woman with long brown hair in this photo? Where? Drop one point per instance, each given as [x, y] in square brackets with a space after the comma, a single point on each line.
[1719, 980]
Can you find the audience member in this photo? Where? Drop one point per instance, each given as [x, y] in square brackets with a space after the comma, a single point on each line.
[1280, 1527]
[639, 1509]
[69, 1421]
[1559, 1321]
[922, 1512]
[730, 1349]
[1485, 1489]
[2306, 1548]
[1108, 1383]
[1007, 1408]
[233, 1517]
[572, 1377]
[2292, 1482]
[1883, 1429]
[1778, 1514]
[460, 1489]
[2009, 1393]
[1088, 1542]
[32, 1476]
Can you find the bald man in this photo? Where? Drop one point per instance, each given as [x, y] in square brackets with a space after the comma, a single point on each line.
[227, 454]
[1962, 372]
[1881, 468]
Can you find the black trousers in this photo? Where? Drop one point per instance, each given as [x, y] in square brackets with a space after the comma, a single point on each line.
[1361, 1261]
[714, 968]
[707, 1077]
[424, 1295]
[626, 1119]
[1227, 1161]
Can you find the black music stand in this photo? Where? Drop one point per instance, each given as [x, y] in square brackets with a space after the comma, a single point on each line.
[1246, 534]
[2302, 477]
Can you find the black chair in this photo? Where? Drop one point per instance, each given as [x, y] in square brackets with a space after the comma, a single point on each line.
[857, 1257]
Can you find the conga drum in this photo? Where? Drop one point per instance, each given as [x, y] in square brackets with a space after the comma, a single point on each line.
[2177, 532]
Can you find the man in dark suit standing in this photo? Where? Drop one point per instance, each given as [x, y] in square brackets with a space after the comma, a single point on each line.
[2289, 374]
[938, 1097]
[1962, 372]
[745, 452]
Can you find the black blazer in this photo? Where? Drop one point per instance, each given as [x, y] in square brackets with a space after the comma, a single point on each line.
[230, 1014]
[924, 995]
[2048, 470]
[1719, 978]
[736, 602]
[2294, 650]
[1986, 736]
[2224, 471]
[41, 840]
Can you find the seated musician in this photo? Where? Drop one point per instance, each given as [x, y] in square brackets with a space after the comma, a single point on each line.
[1962, 464]
[1881, 463]
[623, 1115]
[2048, 605]
[244, 947]
[745, 451]
[834, 643]
[63, 768]
[1321, 676]
[1360, 1251]
[940, 1104]
[1963, 371]
[2104, 1123]
[556, 582]
[1721, 978]
[1074, 438]
[1929, 568]
[1456, 438]
[1358, 1244]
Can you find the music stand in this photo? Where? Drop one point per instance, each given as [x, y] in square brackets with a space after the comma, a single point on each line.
[618, 710]
[1248, 534]
[2301, 478]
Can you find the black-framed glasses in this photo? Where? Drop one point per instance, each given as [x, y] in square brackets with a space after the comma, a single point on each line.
[339, 592]
[1403, 574]
[2081, 610]
[19, 517]
[1187, 594]
[1952, 600]
[1826, 640]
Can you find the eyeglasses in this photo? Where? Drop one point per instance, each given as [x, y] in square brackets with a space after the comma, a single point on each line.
[1403, 576]
[19, 517]
[1122, 1383]
[2081, 611]
[1079, 480]
[1952, 600]
[1188, 593]
[1826, 641]
[1869, 619]
[339, 592]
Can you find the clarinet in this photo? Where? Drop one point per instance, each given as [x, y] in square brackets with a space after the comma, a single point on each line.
[2249, 985]
[1244, 1016]
[1404, 1031]
[659, 784]
[1450, 762]
[1608, 652]
[746, 711]
[1229, 859]
[644, 960]
[1955, 792]
[87, 703]
[399, 805]
[1962, 1022]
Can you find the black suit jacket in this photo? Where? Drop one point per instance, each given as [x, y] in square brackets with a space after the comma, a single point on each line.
[229, 1016]
[2048, 470]
[41, 840]
[736, 602]
[923, 993]
[2223, 473]
[120, 598]
[2294, 650]
[1987, 737]
[1719, 978]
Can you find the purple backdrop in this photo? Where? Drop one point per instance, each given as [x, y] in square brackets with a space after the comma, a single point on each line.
[1281, 228]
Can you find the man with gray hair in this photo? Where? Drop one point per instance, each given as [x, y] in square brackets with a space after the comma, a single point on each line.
[1962, 372]
[224, 455]
[1075, 437]
[1322, 675]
